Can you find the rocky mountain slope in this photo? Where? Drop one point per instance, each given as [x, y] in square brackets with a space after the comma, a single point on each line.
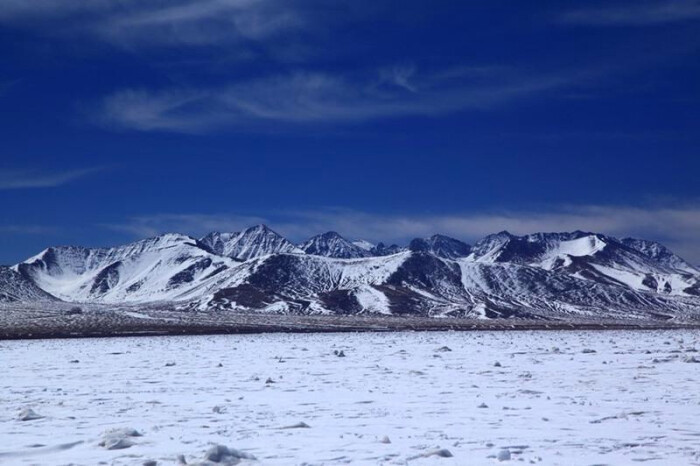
[14, 287]
[540, 276]
[660, 254]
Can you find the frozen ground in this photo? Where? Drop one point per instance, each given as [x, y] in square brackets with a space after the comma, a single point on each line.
[547, 401]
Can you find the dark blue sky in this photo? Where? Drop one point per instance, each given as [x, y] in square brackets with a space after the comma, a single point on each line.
[379, 119]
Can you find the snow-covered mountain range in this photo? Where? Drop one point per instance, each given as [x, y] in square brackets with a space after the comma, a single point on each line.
[539, 276]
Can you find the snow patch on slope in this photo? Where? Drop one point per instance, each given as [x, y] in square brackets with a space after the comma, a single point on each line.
[364, 245]
[372, 300]
[561, 253]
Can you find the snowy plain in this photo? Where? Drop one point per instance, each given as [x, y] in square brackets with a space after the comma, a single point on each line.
[538, 397]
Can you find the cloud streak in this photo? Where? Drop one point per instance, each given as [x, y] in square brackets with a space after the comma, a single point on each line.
[158, 23]
[677, 227]
[29, 179]
[300, 98]
[288, 31]
[638, 13]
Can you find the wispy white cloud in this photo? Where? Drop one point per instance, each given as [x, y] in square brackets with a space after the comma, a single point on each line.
[400, 76]
[636, 13]
[200, 23]
[319, 97]
[678, 227]
[135, 23]
[26, 179]
[274, 31]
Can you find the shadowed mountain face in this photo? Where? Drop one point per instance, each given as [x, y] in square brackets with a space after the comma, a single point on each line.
[544, 275]
[382, 249]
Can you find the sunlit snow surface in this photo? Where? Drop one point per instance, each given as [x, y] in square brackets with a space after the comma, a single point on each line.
[635, 399]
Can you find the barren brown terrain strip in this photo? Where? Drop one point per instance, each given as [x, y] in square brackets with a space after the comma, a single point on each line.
[24, 323]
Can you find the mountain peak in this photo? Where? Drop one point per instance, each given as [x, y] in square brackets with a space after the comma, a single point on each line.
[256, 241]
[331, 244]
[441, 246]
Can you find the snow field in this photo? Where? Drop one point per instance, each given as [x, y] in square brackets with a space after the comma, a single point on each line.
[569, 398]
